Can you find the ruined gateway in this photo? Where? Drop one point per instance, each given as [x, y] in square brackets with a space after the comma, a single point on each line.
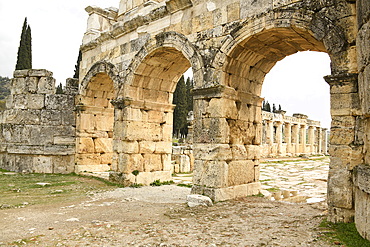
[118, 115]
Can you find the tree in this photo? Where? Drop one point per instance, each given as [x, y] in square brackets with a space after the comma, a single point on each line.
[273, 108]
[77, 66]
[189, 97]
[24, 56]
[267, 107]
[59, 89]
[180, 111]
[280, 107]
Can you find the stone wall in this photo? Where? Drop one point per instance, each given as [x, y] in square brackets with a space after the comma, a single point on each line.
[38, 126]
[361, 175]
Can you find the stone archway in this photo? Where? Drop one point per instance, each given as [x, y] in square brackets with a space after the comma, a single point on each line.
[95, 119]
[227, 153]
[144, 109]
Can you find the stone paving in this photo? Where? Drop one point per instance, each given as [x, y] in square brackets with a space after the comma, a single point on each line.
[307, 177]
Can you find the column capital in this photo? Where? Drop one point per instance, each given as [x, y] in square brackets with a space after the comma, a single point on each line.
[343, 83]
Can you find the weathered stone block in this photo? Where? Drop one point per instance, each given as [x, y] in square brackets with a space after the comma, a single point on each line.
[212, 174]
[126, 146]
[147, 147]
[240, 172]
[362, 215]
[51, 117]
[163, 147]
[31, 84]
[212, 152]
[39, 73]
[63, 164]
[342, 136]
[35, 101]
[211, 130]
[152, 162]
[46, 85]
[85, 145]
[103, 145]
[42, 164]
[222, 108]
[59, 102]
[340, 188]
[64, 140]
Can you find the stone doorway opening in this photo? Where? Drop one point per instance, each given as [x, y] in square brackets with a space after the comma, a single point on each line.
[94, 125]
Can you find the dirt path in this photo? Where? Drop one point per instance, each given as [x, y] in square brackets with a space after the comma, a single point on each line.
[158, 216]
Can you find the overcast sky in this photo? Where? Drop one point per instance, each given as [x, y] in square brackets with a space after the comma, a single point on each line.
[296, 83]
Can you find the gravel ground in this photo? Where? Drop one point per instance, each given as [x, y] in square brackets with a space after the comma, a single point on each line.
[158, 216]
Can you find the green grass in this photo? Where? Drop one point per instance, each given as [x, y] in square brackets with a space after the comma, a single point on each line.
[185, 185]
[273, 189]
[159, 183]
[343, 234]
[18, 188]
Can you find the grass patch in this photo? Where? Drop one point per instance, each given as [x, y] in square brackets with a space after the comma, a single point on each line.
[159, 183]
[185, 185]
[273, 189]
[258, 195]
[18, 190]
[343, 234]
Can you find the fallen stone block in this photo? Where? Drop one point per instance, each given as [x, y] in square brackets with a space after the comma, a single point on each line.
[198, 200]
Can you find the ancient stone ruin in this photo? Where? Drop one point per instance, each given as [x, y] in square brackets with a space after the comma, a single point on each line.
[291, 135]
[120, 117]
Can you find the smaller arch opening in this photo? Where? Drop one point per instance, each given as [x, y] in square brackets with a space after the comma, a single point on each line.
[94, 130]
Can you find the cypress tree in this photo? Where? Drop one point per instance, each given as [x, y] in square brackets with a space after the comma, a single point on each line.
[180, 111]
[24, 56]
[268, 107]
[59, 89]
[273, 108]
[77, 66]
[189, 97]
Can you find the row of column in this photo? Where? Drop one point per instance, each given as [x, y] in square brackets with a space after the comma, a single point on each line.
[298, 138]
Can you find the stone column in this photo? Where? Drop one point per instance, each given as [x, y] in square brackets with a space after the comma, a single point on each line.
[324, 145]
[303, 130]
[295, 139]
[288, 137]
[319, 140]
[345, 145]
[270, 132]
[311, 139]
[226, 143]
[279, 136]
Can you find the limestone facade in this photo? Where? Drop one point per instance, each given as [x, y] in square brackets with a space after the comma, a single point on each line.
[132, 58]
[291, 135]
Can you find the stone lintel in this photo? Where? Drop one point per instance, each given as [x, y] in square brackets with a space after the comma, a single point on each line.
[32, 73]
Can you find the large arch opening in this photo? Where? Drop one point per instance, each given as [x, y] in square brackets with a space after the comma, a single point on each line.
[143, 128]
[238, 125]
[94, 130]
[295, 123]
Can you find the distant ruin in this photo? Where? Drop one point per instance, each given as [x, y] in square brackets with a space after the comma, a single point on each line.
[120, 116]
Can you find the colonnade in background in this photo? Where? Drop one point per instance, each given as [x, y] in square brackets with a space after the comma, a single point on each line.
[292, 135]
